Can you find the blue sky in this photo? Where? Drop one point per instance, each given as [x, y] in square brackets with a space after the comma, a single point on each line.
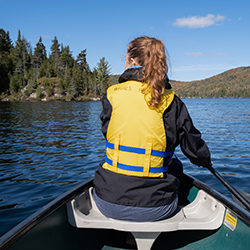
[203, 38]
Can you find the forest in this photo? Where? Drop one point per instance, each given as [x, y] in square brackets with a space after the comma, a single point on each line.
[27, 73]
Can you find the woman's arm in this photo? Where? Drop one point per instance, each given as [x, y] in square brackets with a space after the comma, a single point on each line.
[190, 139]
[181, 131]
[105, 114]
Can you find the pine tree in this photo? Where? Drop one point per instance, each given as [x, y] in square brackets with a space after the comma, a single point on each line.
[66, 60]
[5, 41]
[84, 75]
[22, 63]
[82, 61]
[76, 81]
[39, 54]
[6, 64]
[54, 56]
[102, 79]
[38, 58]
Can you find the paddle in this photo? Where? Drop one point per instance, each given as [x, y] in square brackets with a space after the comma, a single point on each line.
[239, 194]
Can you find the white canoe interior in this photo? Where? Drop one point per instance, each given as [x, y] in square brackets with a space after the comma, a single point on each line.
[204, 213]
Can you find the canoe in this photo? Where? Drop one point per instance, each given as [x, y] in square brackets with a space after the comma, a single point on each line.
[206, 219]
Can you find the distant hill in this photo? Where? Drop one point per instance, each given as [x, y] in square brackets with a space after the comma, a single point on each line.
[234, 83]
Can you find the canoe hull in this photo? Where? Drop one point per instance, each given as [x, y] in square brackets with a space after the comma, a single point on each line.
[49, 229]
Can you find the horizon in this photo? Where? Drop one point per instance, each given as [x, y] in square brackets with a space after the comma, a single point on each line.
[202, 40]
[204, 78]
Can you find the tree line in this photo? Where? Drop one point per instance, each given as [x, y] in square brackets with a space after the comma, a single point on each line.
[24, 71]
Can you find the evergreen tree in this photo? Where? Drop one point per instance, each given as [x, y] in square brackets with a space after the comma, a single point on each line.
[45, 69]
[66, 60]
[6, 65]
[76, 81]
[5, 41]
[84, 75]
[54, 56]
[82, 61]
[38, 58]
[22, 62]
[39, 54]
[102, 79]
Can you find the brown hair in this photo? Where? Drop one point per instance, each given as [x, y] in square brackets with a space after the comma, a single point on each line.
[150, 54]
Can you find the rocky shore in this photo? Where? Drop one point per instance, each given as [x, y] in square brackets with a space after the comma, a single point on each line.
[40, 94]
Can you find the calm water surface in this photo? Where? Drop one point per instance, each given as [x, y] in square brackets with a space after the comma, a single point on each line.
[47, 148]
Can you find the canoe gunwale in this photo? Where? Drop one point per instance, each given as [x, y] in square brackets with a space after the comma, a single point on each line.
[239, 211]
[24, 226]
[20, 229]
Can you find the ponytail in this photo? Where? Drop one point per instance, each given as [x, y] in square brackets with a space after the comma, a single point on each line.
[150, 54]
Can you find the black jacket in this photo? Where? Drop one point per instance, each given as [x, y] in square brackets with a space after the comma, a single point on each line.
[148, 192]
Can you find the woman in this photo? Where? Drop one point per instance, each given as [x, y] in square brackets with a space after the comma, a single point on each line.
[143, 122]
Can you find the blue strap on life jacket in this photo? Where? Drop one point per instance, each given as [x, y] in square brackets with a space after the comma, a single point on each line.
[136, 150]
[141, 150]
[136, 168]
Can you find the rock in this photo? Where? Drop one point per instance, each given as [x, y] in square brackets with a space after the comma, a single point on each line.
[45, 93]
[33, 96]
[58, 95]
[95, 99]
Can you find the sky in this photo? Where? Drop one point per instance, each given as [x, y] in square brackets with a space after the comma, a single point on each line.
[202, 38]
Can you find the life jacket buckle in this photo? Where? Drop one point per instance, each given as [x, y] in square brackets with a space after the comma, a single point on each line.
[147, 160]
[116, 153]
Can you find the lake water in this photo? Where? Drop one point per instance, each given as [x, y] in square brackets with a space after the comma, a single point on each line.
[47, 148]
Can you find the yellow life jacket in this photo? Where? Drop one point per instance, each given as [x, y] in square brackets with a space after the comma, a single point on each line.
[136, 138]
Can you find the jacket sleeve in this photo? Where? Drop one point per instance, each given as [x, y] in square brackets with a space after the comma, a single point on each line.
[190, 139]
[181, 131]
[105, 114]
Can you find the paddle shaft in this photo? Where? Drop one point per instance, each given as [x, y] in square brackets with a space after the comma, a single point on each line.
[233, 190]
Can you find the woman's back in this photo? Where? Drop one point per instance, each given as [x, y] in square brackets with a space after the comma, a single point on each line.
[140, 121]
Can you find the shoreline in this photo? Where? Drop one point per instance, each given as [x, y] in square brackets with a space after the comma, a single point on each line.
[10, 98]
[87, 99]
